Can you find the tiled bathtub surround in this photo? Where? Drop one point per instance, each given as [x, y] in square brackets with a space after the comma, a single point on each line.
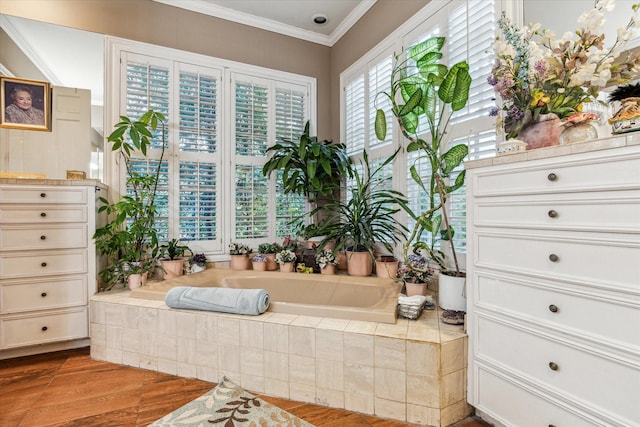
[412, 371]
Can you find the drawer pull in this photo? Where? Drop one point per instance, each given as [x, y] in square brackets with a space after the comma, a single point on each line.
[552, 214]
[553, 258]
[43, 237]
[552, 177]
[43, 214]
[553, 366]
[552, 425]
[44, 294]
[44, 328]
[43, 195]
[44, 264]
[553, 308]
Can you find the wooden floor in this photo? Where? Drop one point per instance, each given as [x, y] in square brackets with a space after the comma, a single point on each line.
[70, 389]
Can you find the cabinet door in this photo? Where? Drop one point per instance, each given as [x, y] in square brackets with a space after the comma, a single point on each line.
[19, 238]
[45, 263]
[43, 294]
[44, 328]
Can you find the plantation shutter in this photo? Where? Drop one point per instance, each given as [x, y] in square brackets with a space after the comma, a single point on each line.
[354, 107]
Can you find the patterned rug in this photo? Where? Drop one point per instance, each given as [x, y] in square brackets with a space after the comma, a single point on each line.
[228, 405]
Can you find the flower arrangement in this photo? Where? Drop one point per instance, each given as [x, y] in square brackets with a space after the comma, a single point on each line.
[259, 258]
[290, 243]
[239, 249]
[536, 74]
[199, 259]
[269, 248]
[326, 257]
[285, 255]
[417, 271]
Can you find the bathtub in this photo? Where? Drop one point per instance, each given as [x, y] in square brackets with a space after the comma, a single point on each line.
[337, 296]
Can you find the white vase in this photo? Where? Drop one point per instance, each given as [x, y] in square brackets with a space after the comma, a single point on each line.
[452, 292]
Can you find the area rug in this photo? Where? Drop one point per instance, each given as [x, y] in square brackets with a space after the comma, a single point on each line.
[228, 405]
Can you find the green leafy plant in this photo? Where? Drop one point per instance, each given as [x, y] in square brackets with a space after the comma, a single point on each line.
[425, 91]
[365, 217]
[269, 248]
[130, 235]
[173, 250]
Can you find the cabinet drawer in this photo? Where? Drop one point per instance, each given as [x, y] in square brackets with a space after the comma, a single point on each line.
[53, 195]
[514, 406]
[42, 215]
[576, 257]
[602, 382]
[583, 173]
[560, 307]
[44, 328]
[46, 263]
[621, 213]
[15, 238]
[44, 294]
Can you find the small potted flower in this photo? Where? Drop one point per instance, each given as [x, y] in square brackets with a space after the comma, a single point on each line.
[198, 263]
[415, 275]
[286, 259]
[259, 262]
[239, 256]
[327, 261]
[270, 250]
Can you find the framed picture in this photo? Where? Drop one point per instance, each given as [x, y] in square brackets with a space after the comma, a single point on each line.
[25, 104]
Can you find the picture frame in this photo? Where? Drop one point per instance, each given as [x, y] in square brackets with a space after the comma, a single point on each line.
[25, 104]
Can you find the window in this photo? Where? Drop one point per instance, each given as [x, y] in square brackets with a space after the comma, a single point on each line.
[211, 188]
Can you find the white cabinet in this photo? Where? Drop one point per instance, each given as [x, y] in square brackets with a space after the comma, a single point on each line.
[47, 264]
[554, 286]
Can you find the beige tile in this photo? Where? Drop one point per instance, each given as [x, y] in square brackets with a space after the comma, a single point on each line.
[599, 144]
[397, 330]
[98, 334]
[333, 324]
[423, 415]
[148, 362]
[302, 370]
[186, 350]
[251, 334]
[167, 366]
[234, 376]
[390, 409]
[186, 370]
[423, 390]
[452, 388]
[167, 322]
[114, 337]
[302, 392]
[228, 358]
[456, 412]
[98, 352]
[130, 316]
[361, 327]
[276, 366]
[252, 383]
[389, 353]
[560, 150]
[186, 324]
[390, 384]
[424, 331]
[130, 340]
[148, 343]
[358, 349]
[632, 139]
[511, 158]
[131, 359]
[329, 345]
[207, 327]
[358, 403]
[276, 388]
[206, 354]
[330, 398]
[302, 341]
[251, 361]
[228, 331]
[452, 356]
[207, 373]
[478, 163]
[97, 312]
[280, 318]
[423, 358]
[306, 321]
[114, 315]
[329, 374]
[276, 337]
[358, 379]
[148, 319]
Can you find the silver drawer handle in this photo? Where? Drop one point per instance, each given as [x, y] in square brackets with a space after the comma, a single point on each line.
[553, 308]
[553, 366]
[552, 214]
[554, 258]
[552, 177]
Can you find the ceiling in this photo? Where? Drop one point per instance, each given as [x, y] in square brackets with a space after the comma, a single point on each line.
[293, 18]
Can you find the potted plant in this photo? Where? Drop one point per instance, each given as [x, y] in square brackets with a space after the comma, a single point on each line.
[327, 261]
[239, 256]
[387, 267]
[365, 218]
[198, 262]
[425, 91]
[285, 258]
[129, 237]
[171, 254]
[415, 274]
[259, 262]
[270, 250]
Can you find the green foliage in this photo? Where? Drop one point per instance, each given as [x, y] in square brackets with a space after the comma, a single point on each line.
[425, 91]
[173, 250]
[130, 234]
[269, 248]
[366, 216]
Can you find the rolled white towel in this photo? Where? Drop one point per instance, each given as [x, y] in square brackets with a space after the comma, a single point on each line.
[225, 300]
[416, 300]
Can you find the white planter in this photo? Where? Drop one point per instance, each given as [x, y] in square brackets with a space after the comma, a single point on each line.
[452, 293]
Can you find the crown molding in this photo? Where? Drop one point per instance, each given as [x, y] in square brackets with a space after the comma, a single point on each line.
[271, 25]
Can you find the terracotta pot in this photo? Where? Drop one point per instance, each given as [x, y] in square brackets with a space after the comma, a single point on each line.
[134, 281]
[452, 293]
[272, 265]
[543, 133]
[415, 289]
[328, 269]
[240, 262]
[286, 267]
[260, 265]
[387, 268]
[171, 268]
[359, 264]
[341, 257]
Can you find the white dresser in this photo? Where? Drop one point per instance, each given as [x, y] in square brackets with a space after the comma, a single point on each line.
[47, 264]
[554, 285]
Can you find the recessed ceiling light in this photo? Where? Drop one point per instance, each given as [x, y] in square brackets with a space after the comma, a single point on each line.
[320, 19]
